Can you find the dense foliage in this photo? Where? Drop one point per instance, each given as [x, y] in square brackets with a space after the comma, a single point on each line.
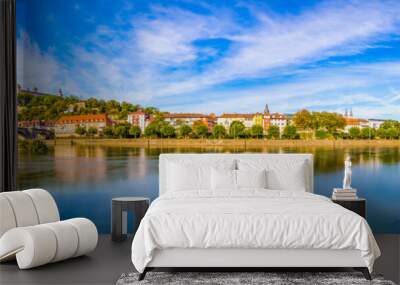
[306, 120]
[237, 129]
[219, 132]
[331, 125]
[52, 107]
[201, 131]
[257, 131]
[290, 132]
[135, 131]
[273, 132]
[185, 131]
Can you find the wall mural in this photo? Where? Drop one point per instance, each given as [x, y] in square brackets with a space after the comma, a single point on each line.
[104, 89]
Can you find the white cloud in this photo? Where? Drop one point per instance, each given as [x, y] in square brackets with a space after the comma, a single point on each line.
[37, 68]
[370, 89]
[287, 42]
[156, 61]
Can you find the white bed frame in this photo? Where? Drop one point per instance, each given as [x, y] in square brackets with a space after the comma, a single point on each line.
[251, 258]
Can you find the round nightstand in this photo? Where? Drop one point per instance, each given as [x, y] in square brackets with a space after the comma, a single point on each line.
[120, 206]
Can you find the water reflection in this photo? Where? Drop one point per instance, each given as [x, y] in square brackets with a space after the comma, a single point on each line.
[137, 166]
[83, 179]
[77, 164]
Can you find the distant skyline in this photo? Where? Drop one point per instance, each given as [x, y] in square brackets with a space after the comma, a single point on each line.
[216, 56]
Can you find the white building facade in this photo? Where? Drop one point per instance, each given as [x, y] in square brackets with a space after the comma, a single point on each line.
[139, 119]
[375, 123]
[227, 119]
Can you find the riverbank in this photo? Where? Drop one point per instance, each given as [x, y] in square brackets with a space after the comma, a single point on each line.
[247, 143]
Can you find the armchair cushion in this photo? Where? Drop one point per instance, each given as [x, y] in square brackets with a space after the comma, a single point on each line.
[31, 231]
[37, 245]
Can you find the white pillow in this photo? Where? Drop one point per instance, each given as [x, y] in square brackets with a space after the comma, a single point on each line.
[193, 174]
[187, 178]
[287, 176]
[282, 174]
[251, 178]
[223, 179]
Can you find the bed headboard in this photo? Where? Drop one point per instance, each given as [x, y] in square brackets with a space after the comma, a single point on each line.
[164, 158]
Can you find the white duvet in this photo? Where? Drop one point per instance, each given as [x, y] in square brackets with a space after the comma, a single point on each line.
[250, 219]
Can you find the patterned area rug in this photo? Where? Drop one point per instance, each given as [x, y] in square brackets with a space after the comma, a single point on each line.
[229, 278]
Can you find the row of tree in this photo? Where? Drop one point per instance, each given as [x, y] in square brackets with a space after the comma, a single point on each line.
[383, 132]
[322, 125]
[161, 129]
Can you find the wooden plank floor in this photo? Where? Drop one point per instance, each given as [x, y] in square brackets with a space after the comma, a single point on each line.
[111, 259]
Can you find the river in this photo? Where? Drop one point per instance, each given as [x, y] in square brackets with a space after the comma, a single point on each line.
[83, 179]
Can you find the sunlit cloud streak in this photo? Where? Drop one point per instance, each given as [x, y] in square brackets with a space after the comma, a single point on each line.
[214, 59]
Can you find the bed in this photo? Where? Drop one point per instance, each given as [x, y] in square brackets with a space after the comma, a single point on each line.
[247, 211]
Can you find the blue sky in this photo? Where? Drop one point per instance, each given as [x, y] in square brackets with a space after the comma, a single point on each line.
[216, 56]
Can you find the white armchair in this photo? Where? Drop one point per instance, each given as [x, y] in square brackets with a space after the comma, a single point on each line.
[31, 230]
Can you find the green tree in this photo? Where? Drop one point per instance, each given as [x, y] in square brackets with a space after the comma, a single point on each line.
[290, 132]
[219, 131]
[303, 120]
[92, 131]
[121, 131]
[108, 132]
[382, 133]
[112, 106]
[123, 115]
[354, 133]
[393, 133]
[80, 131]
[24, 99]
[368, 133]
[329, 121]
[167, 131]
[185, 130]
[128, 107]
[135, 131]
[237, 129]
[256, 131]
[390, 124]
[91, 103]
[152, 130]
[150, 110]
[390, 129]
[201, 131]
[273, 132]
[321, 134]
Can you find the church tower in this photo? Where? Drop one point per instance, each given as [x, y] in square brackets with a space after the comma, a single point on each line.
[266, 118]
[266, 109]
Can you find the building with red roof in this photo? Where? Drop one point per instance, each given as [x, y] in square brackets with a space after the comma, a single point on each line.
[227, 119]
[66, 125]
[140, 119]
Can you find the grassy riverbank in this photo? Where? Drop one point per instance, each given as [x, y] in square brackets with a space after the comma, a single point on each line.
[224, 142]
